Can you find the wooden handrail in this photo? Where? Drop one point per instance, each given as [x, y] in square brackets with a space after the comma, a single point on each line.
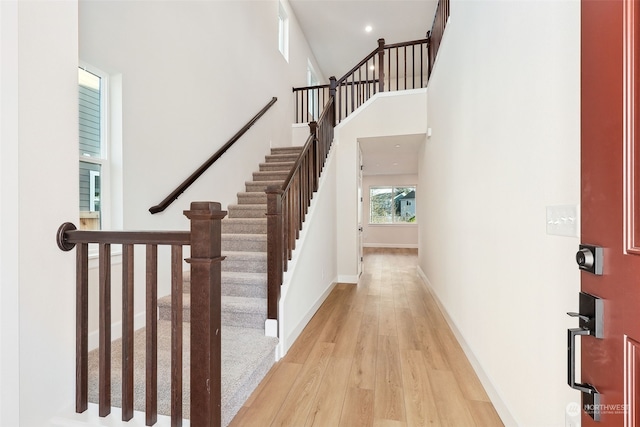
[206, 165]
[204, 239]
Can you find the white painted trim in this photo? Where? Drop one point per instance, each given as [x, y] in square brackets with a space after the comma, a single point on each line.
[286, 342]
[494, 394]
[271, 328]
[392, 245]
[348, 278]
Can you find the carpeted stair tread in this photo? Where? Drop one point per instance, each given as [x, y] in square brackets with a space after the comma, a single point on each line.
[232, 308]
[262, 185]
[270, 175]
[277, 166]
[253, 210]
[292, 157]
[242, 284]
[247, 242]
[286, 150]
[247, 355]
[248, 262]
[252, 197]
[244, 225]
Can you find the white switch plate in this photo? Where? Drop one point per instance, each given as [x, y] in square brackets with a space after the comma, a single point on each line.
[562, 220]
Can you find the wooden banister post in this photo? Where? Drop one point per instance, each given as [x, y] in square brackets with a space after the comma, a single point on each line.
[333, 85]
[206, 358]
[274, 250]
[317, 157]
[381, 64]
[428, 55]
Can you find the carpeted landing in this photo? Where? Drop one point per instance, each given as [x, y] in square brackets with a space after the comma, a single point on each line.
[247, 356]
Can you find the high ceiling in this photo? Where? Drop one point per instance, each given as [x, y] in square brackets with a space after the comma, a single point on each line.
[335, 30]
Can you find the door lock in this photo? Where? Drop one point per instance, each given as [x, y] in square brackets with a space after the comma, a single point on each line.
[591, 322]
[590, 259]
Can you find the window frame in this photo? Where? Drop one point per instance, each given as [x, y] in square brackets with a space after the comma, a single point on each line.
[283, 31]
[393, 221]
[104, 161]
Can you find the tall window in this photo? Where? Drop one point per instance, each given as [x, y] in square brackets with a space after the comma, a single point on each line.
[392, 205]
[314, 98]
[92, 148]
[283, 31]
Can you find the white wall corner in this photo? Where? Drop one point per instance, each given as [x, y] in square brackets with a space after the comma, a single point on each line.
[493, 393]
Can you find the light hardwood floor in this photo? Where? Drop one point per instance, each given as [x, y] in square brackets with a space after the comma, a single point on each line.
[376, 354]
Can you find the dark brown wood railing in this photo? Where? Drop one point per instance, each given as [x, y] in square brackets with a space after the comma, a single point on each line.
[288, 205]
[205, 363]
[437, 31]
[389, 67]
[210, 161]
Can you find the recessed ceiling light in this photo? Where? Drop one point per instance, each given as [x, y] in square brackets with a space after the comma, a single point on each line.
[372, 67]
[397, 145]
[368, 28]
[395, 164]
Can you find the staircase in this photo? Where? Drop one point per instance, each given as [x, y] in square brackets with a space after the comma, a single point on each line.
[244, 284]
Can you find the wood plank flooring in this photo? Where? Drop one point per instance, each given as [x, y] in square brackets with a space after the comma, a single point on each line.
[376, 354]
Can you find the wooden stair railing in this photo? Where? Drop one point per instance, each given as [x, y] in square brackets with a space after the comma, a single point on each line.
[437, 31]
[288, 205]
[389, 67]
[205, 377]
[210, 161]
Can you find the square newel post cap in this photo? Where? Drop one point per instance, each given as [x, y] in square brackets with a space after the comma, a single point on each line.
[205, 210]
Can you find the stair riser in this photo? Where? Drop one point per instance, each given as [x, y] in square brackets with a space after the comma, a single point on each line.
[228, 318]
[267, 167]
[244, 245]
[258, 290]
[281, 158]
[270, 176]
[258, 228]
[246, 266]
[286, 150]
[244, 320]
[260, 186]
[252, 199]
[239, 212]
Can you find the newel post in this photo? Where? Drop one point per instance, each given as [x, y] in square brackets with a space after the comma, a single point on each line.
[275, 250]
[381, 64]
[428, 54]
[206, 359]
[316, 150]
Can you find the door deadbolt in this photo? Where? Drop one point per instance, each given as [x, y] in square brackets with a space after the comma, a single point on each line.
[590, 258]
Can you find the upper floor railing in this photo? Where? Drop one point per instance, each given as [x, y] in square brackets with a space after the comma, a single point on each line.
[437, 31]
[205, 364]
[389, 67]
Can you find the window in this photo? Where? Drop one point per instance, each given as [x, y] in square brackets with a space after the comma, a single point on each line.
[283, 31]
[314, 98]
[93, 163]
[392, 205]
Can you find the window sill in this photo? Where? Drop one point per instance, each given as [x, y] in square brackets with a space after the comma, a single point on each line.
[397, 224]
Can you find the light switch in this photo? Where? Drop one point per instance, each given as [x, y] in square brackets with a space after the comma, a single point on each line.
[562, 220]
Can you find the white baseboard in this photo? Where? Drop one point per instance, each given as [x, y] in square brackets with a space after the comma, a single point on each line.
[286, 342]
[391, 245]
[494, 395]
[347, 278]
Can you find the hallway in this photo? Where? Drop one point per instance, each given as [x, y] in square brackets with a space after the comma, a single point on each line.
[376, 354]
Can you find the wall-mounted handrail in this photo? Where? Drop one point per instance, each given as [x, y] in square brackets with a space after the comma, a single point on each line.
[206, 165]
[205, 364]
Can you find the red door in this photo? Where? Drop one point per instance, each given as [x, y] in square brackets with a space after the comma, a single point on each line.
[610, 206]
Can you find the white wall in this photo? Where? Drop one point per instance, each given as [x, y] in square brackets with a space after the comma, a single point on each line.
[9, 214]
[39, 130]
[504, 106]
[312, 272]
[387, 235]
[386, 114]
